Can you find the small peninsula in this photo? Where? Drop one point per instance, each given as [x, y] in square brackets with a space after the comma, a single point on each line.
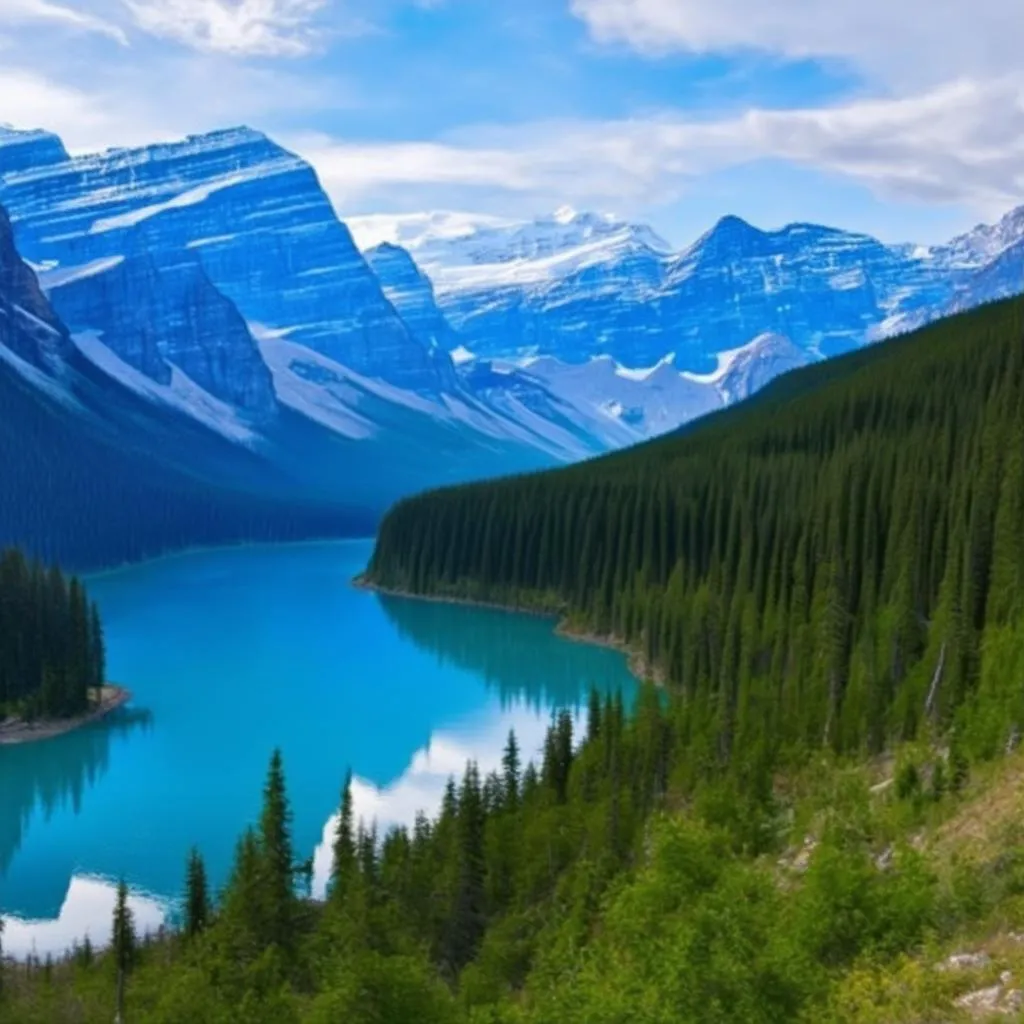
[52, 653]
[102, 702]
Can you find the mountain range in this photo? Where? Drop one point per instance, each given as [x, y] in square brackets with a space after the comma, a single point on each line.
[196, 319]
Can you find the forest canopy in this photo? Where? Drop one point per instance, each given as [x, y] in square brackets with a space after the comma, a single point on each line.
[51, 641]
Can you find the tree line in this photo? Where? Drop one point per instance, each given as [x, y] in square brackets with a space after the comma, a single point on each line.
[837, 562]
[51, 640]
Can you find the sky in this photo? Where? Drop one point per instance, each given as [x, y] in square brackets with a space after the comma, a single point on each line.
[901, 118]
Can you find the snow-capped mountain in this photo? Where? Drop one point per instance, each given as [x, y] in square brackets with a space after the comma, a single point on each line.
[635, 405]
[982, 244]
[411, 292]
[251, 213]
[577, 285]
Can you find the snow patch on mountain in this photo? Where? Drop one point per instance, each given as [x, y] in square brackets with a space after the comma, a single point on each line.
[181, 394]
[52, 275]
[463, 252]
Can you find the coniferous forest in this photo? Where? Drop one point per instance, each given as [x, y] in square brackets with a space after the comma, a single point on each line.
[51, 641]
[839, 561]
[814, 813]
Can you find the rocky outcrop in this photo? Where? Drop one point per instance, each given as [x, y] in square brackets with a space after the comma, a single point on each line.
[411, 292]
[28, 325]
[157, 312]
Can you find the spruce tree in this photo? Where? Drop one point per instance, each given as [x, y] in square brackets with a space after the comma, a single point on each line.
[343, 868]
[467, 920]
[197, 900]
[277, 862]
[123, 945]
[510, 763]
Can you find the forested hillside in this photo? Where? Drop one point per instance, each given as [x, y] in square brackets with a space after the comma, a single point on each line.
[51, 641]
[838, 561]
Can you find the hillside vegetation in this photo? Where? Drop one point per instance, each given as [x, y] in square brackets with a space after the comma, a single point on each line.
[839, 561]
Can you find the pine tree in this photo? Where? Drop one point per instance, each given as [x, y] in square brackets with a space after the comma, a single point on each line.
[344, 865]
[277, 862]
[468, 914]
[510, 763]
[197, 900]
[124, 945]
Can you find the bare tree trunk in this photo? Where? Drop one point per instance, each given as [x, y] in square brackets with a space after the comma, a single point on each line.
[936, 679]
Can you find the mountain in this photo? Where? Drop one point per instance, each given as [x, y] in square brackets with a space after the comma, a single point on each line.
[159, 313]
[577, 285]
[254, 217]
[95, 473]
[29, 329]
[744, 371]
[981, 245]
[210, 279]
[574, 286]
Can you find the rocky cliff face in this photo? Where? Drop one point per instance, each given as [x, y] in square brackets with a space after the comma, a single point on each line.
[253, 215]
[411, 292]
[158, 311]
[28, 325]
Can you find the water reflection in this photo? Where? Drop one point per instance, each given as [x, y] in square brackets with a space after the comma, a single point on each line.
[87, 910]
[520, 656]
[237, 652]
[39, 780]
[421, 786]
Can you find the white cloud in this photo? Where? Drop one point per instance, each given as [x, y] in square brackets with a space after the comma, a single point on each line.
[265, 28]
[28, 100]
[959, 143]
[895, 41]
[19, 12]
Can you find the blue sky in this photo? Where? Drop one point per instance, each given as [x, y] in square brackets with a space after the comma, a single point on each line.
[904, 118]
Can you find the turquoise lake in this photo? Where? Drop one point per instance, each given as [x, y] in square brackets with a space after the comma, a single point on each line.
[229, 654]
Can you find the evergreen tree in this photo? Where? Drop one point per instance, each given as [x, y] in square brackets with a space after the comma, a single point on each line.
[197, 900]
[276, 858]
[124, 945]
[510, 763]
[343, 869]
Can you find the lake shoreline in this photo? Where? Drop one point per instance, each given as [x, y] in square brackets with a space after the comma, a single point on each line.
[205, 549]
[635, 661]
[17, 730]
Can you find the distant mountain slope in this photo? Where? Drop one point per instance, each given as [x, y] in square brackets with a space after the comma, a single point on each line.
[574, 286]
[92, 474]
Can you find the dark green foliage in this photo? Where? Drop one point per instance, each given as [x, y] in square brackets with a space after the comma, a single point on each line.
[124, 946]
[51, 641]
[344, 867]
[816, 566]
[276, 859]
[197, 897]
